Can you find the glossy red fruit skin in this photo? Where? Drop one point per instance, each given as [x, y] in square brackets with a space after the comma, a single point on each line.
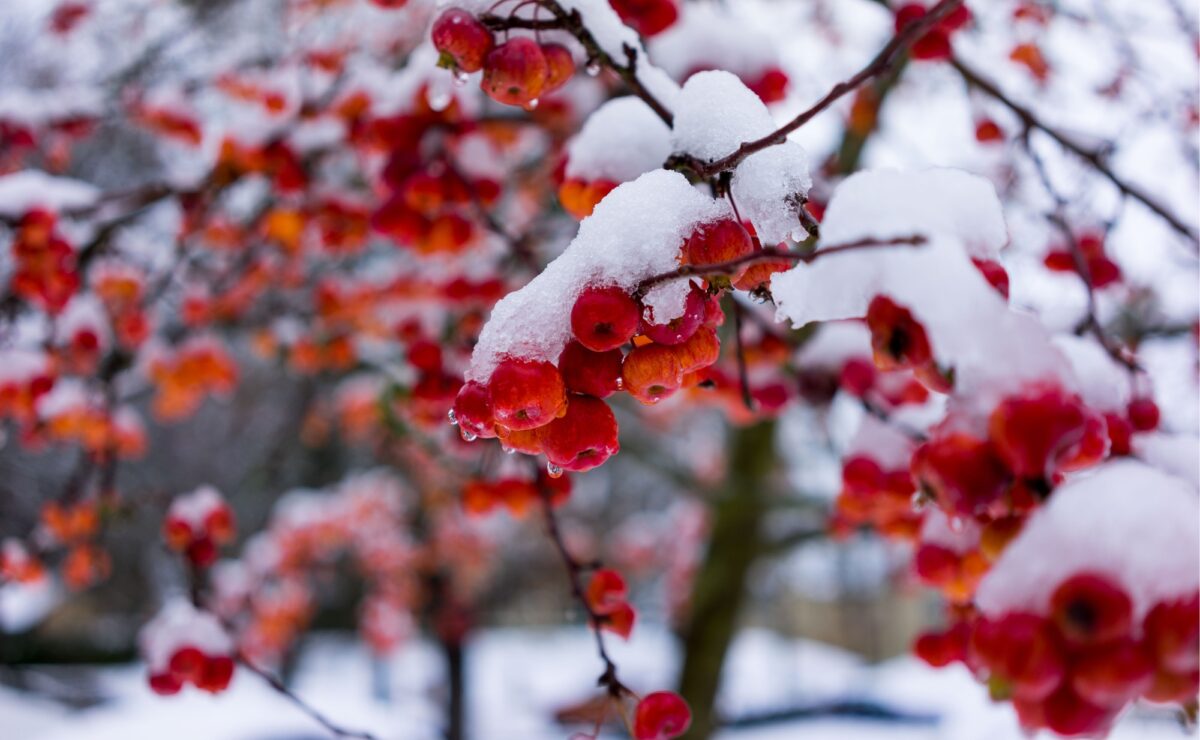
[962, 473]
[1020, 650]
[1090, 609]
[590, 373]
[681, 329]
[605, 318]
[473, 411]
[897, 338]
[165, 684]
[1143, 414]
[584, 437]
[935, 564]
[1039, 429]
[651, 373]
[515, 72]
[1172, 631]
[940, 649]
[606, 590]
[1070, 715]
[187, 664]
[647, 17]
[461, 39]
[660, 716]
[217, 673]
[717, 242]
[560, 66]
[1112, 675]
[994, 273]
[526, 394]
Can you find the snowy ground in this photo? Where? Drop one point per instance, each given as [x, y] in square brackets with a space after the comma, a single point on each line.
[517, 677]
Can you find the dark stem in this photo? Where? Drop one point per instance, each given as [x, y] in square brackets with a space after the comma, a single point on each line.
[275, 683]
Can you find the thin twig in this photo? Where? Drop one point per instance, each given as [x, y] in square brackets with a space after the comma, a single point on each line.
[575, 570]
[280, 688]
[881, 63]
[729, 267]
[1095, 158]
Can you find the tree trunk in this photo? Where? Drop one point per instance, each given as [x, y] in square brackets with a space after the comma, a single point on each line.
[720, 586]
[456, 686]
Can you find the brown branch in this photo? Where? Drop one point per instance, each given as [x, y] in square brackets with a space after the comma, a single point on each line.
[729, 267]
[575, 570]
[280, 688]
[881, 63]
[572, 23]
[1095, 158]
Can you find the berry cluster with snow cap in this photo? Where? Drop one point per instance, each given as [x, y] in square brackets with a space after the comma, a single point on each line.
[197, 524]
[183, 645]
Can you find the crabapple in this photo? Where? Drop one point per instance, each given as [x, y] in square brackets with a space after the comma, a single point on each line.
[1044, 430]
[701, 350]
[897, 339]
[591, 373]
[1172, 632]
[1021, 653]
[962, 473]
[717, 242]
[679, 330]
[647, 17]
[515, 72]
[604, 318]
[651, 373]
[584, 437]
[461, 39]
[560, 65]
[661, 715]
[1113, 675]
[473, 411]
[526, 394]
[1090, 609]
[1143, 414]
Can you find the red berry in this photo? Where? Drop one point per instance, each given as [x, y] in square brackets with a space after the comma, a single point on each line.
[560, 66]
[1143, 414]
[202, 552]
[1021, 651]
[187, 663]
[1090, 609]
[473, 411]
[425, 355]
[962, 473]
[940, 649]
[897, 339]
[994, 273]
[1071, 715]
[584, 437]
[647, 17]
[591, 373]
[216, 675]
[679, 330]
[463, 41]
[936, 564]
[165, 684]
[604, 318]
[698, 352]
[651, 373]
[660, 716]
[526, 394]
[1173, 634]
[1038, 431]
[857, 376]
[1113, 675]
[515, 72]
[717, 242]
[606, 590]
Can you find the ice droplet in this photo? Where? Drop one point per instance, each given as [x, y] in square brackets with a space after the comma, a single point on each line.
[592, 68]
[453, 419]
[532, 104]
[553, 470]
[468, 436]
[461, 78]
[508, 450]
[439, 100]
[799, 235]
[620, 383]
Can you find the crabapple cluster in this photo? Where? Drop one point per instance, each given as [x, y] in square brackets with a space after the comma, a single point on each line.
[934, 44]
[184, 645]
[607, 599]
[46, 273]
[516, 71]
[537, 407]
[197, 524]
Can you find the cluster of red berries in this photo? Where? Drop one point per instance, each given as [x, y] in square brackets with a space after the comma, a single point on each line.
[934, 44]
[516, 71]
[197, 524]
[535, 407]
[191, 665]
[875, 496]
[1073, 670]
[516, 495]
[607, 597]
[1033, 438]
[1100, 270]
[45, 274]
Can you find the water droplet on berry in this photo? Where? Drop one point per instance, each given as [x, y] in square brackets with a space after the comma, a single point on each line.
[532, 104]
[461, 78]
[592, 68]
[799, 235]
[553, 470]
[453, 419]
[468, 436]
[620, 384]
[508, 450]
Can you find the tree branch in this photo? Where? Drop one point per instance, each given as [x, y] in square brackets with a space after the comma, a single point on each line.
[881, 63]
